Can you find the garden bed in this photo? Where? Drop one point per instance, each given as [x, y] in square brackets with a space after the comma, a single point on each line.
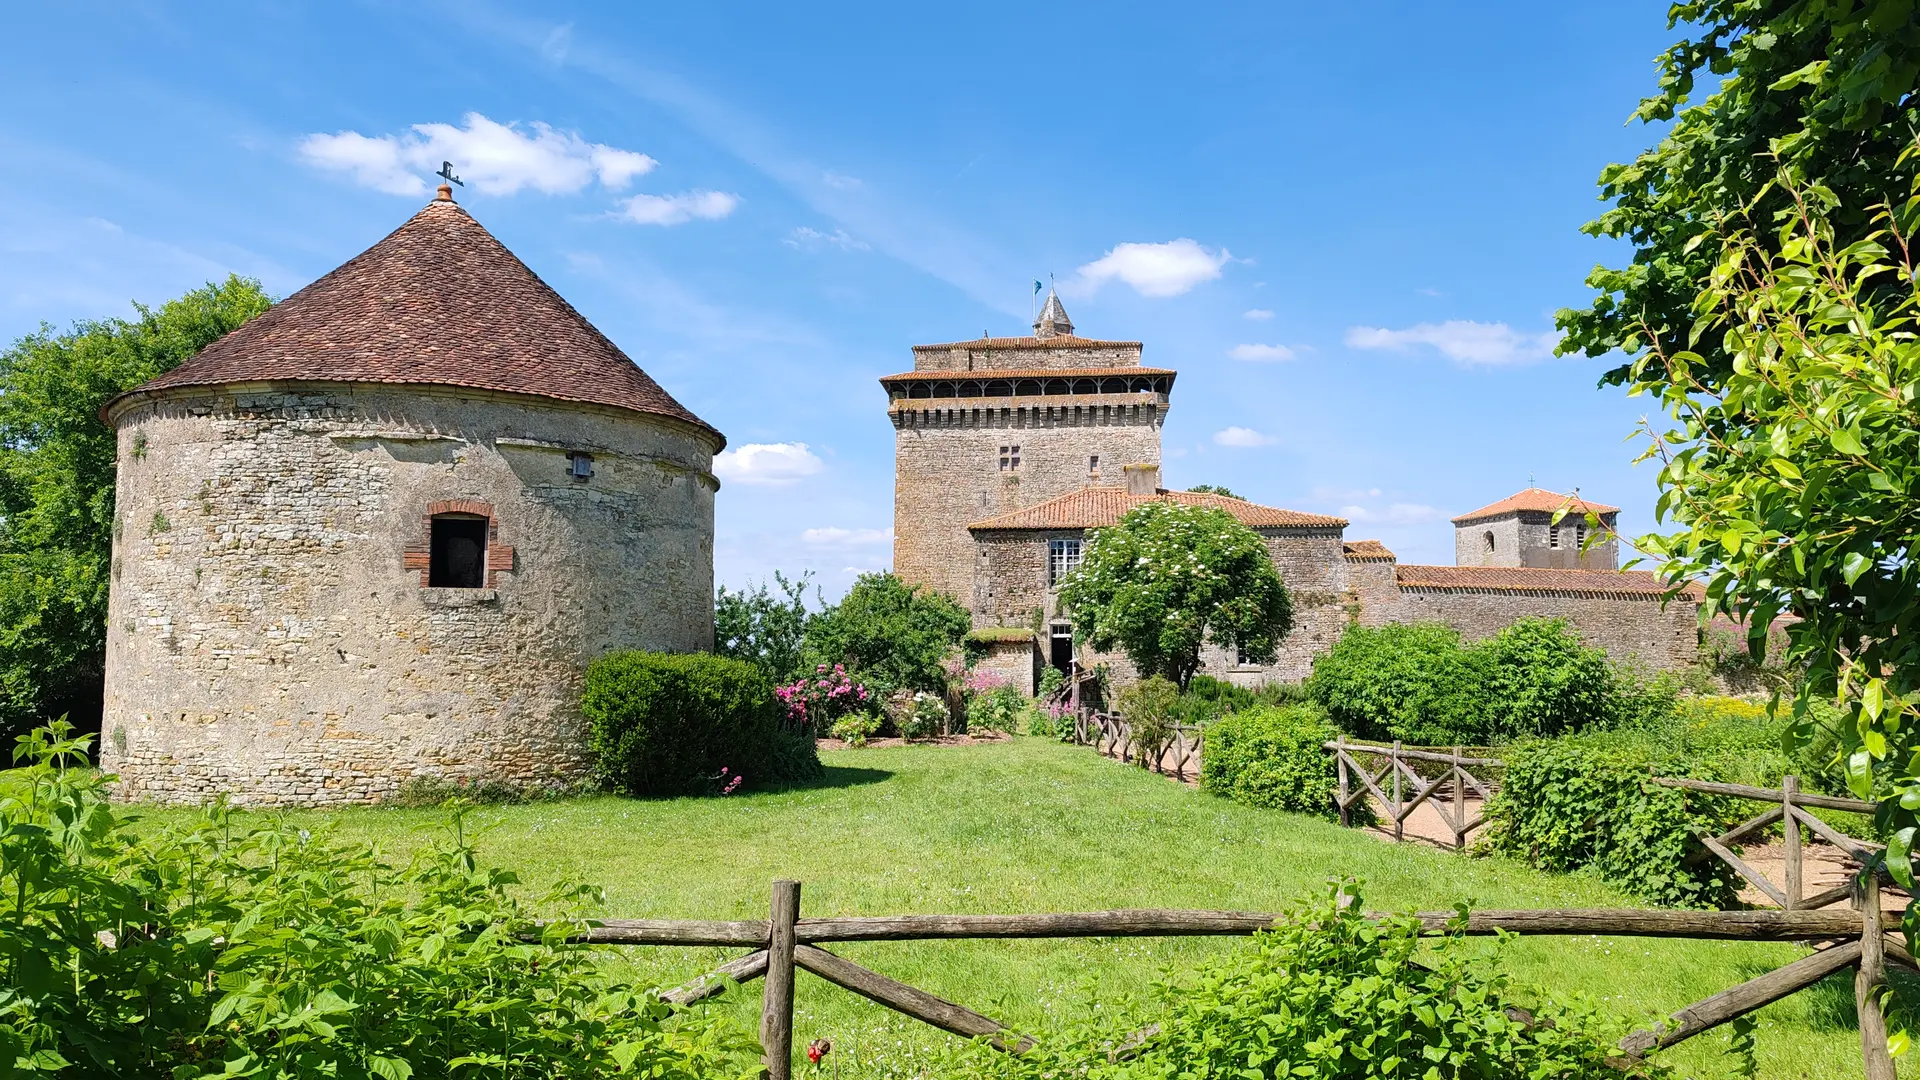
[938, 740]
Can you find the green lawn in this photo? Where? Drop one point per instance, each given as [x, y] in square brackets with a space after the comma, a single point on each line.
[1031, 825]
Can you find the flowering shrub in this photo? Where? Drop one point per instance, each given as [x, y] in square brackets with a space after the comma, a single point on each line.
[823, 697]
[999, 708]
[922, 716]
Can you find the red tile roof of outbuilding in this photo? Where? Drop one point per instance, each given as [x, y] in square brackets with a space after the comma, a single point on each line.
[1097, 507]
[439, 302]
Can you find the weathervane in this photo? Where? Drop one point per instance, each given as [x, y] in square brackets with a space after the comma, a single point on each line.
[446, 173]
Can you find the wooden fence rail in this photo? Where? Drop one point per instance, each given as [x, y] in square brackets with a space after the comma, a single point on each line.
[1791, 813]
[1385, 784]
[785, 942]
[1111, 735]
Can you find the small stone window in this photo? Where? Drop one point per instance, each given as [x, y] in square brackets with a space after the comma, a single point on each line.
[1093, 465]
[580, 465]
[1488, 541]
[461, 548]
[1240, 657]
[1063, 557]
[1580, 535]
[1010, 458]
[1553, 536]
[458, 552]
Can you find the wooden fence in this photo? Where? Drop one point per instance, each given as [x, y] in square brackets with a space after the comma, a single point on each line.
[1791, 812]
[1401, 790]
[1110, 734]
[784, 942]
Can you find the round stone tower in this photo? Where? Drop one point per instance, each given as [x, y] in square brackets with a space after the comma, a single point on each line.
[378, 532]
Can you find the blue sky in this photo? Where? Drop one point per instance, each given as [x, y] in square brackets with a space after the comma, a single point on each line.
[1347, 225]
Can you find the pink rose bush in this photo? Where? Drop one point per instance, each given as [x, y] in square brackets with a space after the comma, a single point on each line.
[819, 699]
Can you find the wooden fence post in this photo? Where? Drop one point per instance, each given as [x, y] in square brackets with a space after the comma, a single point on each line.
[1399, 821]
[1789, 787]
[776, 1005]
[1340, 761]
[1459, 803]
[1867, 980]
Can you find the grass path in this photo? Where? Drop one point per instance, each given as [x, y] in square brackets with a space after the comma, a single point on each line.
[1031, 826]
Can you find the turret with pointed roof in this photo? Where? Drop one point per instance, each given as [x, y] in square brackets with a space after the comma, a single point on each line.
[1520, 531]
[376, 535]
[1053, 321]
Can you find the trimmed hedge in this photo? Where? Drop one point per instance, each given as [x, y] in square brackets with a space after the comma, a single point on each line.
[1272, 757]
[668, 724]
[1586, 800]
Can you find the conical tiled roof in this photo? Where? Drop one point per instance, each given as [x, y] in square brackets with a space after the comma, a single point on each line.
[1053, 321]
[438, 302]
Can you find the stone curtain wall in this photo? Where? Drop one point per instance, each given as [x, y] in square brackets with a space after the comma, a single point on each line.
[947, 474]
[1637, 631]
[267, 638]
[1018, 662]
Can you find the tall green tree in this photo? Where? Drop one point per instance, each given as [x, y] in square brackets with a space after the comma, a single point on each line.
[1168, 578]
[1792, 471]
[889, 634]
[766, 630]
[56, 489]
[1825, 88]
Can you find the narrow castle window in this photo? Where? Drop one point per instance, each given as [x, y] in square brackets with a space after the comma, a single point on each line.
[1063, 556]
[1553, 536]
[1010, 458]
[1580, 535]
[457, 552]
[1489, 541]
[1093, 465]
[580, 465]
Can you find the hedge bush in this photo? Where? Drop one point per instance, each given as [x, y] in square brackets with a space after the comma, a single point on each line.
[1272, 757]
[1419, 683]
[667, 724]
[1586, 801]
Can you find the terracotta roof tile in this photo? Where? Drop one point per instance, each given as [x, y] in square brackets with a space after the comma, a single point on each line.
[1539, 500]
[1025, 373]
[441, 302]
[1616, 583]
[1059, 341]
[1367, 551]
[1097, 507]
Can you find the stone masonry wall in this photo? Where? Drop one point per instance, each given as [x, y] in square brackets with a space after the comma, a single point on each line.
[947, 475]
[975, 357]
[1632, 630]
[269, 635]
[1525, 539]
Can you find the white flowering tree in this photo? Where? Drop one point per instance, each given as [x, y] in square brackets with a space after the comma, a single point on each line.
[1170, 577]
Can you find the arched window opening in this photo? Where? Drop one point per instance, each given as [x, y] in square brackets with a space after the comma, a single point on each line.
[1488, 541]
[457, 552]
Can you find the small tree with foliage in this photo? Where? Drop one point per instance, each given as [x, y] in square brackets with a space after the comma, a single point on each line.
[1213, 489]
[1170, 577]
[765, 630]
[57, 464]
[1794, 480]
[888, 634]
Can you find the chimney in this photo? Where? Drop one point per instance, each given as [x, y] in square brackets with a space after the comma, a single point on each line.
[1143, 479]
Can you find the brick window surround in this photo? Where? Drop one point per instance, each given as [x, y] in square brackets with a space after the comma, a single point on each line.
[419, 554]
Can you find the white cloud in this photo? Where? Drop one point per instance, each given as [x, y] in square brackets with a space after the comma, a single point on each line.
[766, 463]
[812, 239]
[1261, 354]
[1325, 494]
[1460, 340]
[677, 209]
[840, 181]
[495, 158]
[1257, 314]
[1239, 436]
[834, 536]
[1157, 270]
[1394, 514]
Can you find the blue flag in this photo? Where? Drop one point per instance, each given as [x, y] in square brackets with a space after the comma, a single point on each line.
[1036, 288]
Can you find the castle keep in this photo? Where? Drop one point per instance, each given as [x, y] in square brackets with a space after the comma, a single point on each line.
[1008, 450]
[378, 532]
